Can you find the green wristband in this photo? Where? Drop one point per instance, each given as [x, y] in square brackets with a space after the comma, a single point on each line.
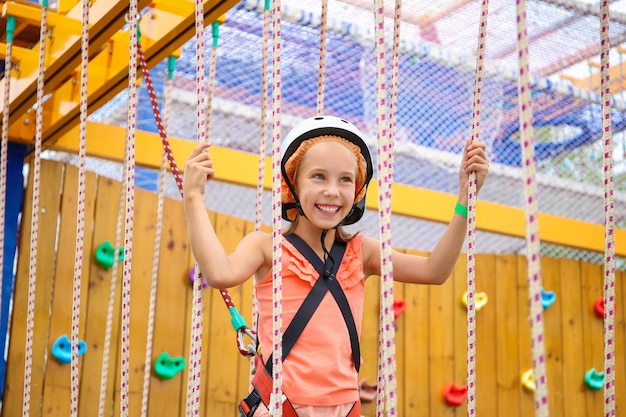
[460, 209]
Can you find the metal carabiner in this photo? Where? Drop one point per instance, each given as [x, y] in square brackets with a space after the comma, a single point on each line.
[251, 349]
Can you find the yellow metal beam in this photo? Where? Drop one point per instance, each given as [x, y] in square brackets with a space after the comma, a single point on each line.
[240, 168]
[63, 52]
[593, 81]
[163, 33]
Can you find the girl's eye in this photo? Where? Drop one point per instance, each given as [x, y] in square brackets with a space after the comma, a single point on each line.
[318, 176]
[347, 179]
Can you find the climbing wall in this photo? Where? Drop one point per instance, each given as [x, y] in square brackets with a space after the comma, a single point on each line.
[431, 322]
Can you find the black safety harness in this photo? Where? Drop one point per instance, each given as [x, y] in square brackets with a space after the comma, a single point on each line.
[262, 380]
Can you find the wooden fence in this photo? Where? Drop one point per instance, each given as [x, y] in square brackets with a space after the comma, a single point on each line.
[430, 341]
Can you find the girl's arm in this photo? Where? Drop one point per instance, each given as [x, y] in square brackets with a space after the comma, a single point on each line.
[219, 269]
[437, 267]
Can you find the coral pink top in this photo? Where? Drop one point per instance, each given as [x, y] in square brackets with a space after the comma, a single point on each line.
[319, 370]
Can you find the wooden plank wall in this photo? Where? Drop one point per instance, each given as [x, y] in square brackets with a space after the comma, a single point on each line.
[431, 338]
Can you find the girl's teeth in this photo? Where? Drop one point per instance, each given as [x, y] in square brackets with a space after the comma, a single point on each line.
[328, 209]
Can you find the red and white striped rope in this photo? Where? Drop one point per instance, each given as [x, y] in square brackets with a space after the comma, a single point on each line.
[195, 355]
[609, 215]
[34, 231]
[386, 356]
[129, 182]
[106, 346]
[210, 90]
[178, 178]
[167, 149]
[258, 217]
[80, 212]
[321, 77]
[395, 75]
[147, 372]
[532, 227]
[260, 185]
[471, 218]
[276, 403]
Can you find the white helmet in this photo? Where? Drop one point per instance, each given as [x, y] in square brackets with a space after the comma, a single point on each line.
[313, 128]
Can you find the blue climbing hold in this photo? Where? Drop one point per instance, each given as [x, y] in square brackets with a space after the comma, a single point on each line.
[547, 298]
[594, 379]
[62, 351]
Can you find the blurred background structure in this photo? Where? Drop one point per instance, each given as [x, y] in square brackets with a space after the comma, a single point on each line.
[434, 111]
[436, 82]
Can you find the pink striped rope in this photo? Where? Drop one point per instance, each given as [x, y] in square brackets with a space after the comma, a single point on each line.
[258, 212]
[386, 355]
[195, 355]
[532, 227]
[471, 218]
[106, 347]
[609, 219]
[258, 217]
[34, 230]
[168, 151]
[395, 75]
[211, 83]
[321, 78]
[130, 206]
[80, 214]
[147, 370]
[276, 403]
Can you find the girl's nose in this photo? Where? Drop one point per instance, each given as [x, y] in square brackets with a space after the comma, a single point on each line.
[331, 191]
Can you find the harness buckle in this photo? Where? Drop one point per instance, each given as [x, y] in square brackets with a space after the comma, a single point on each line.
[271, 405]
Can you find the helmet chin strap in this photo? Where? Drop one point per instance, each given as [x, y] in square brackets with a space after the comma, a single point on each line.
[296, 204]
[328, 266]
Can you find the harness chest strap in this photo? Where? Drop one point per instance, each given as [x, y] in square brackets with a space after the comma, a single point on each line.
[262, 380]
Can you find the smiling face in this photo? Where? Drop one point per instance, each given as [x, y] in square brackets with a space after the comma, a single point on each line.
[325, 182]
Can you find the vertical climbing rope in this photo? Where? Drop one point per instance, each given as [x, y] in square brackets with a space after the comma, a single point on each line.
[106, 347]
[386, 356]
[395, 75]
[195, 355]
[609, 216]
[258, 218]
[258, 212]
[471, 218]
[215, 28]
[276, 404]
[147, 370]
[532, 228]
[321, 77]
[129, 182]
[4, 145]
[237, 320]
[34, 228]
[80, 211]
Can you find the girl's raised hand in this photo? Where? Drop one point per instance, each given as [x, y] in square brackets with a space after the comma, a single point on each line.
[198, 170]
[474, 160]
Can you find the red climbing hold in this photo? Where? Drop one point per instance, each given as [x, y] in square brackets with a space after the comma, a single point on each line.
[455, 395]
[599, 308]
[398, 308]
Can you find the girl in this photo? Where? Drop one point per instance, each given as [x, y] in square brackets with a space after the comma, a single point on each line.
[326, 168]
